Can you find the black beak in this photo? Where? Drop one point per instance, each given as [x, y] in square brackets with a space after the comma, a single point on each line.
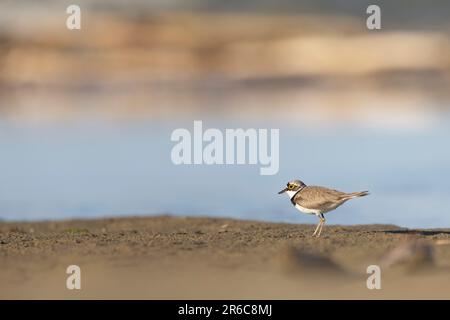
[282, 191]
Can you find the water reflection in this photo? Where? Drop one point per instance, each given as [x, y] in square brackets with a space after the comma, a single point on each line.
[93, 169]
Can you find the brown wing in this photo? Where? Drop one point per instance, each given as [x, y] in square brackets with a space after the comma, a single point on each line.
[313, 197]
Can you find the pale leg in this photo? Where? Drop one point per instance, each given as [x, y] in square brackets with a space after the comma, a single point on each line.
[322, 222]
[317, 228]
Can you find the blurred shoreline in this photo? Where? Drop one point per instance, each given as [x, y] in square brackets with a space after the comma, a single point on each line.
[184, 64]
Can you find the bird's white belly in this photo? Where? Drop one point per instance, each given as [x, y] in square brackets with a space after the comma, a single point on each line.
[306, 210]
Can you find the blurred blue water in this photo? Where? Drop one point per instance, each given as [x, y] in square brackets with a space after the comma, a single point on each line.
[96, 169]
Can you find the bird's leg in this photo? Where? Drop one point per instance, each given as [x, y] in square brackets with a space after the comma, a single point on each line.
[321, 227]
[317, 228]
[322, 222]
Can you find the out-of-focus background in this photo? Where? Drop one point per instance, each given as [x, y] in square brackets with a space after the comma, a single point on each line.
[86, 116]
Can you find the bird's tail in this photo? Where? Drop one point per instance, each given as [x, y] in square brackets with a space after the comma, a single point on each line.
[355, 195]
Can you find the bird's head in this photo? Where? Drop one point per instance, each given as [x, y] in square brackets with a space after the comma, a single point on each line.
[293, 186]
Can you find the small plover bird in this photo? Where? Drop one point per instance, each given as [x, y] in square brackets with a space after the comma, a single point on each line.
[317, 200]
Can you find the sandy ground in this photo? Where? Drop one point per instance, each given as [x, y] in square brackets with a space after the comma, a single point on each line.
[190, 258]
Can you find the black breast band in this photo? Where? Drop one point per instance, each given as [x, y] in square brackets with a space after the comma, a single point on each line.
[292, 199]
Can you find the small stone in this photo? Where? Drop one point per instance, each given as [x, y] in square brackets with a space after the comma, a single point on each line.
[294, 260]
[412, 254]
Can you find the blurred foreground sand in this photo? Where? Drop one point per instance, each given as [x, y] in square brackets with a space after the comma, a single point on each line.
[189, 258]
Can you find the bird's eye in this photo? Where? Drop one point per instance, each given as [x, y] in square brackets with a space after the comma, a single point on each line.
[290, 187]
